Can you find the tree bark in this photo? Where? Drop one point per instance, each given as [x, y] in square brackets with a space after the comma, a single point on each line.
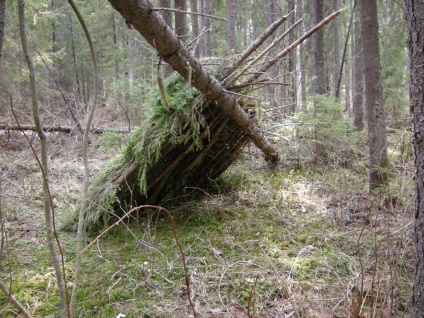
[166, 15]
[231, 26]
[317, 42]
[2, 17]
[376, 117]
[415, 21]
[152, 27]
[336, 30]
[358, 79]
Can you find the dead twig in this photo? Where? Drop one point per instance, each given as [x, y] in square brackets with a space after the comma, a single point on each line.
[252, 48]
[14, 301]
[62, 129]
[292, 46]
[189, 12]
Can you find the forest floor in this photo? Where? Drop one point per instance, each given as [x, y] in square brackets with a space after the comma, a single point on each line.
[261, 242]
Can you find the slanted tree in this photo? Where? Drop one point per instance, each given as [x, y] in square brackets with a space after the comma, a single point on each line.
[167, 16]
[140, 15]
[415, 21]
[376, 116]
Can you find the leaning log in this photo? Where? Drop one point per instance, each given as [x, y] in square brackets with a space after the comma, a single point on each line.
[61, 129]
[141, 15]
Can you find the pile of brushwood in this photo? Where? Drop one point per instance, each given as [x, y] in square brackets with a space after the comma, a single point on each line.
[197, 126]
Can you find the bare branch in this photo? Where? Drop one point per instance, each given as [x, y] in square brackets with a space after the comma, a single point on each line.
[268, 49]
[252, 48]
[189, 12]
[14, 301]
[292, 46]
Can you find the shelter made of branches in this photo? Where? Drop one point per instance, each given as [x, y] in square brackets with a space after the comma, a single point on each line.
[188, 144]
[195, 130]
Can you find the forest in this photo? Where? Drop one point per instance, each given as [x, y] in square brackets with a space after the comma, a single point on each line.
[211, 158]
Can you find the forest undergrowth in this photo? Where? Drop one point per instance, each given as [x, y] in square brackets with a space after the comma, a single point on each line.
[297, 240]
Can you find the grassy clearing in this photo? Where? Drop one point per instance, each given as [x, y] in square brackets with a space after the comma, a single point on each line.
[260, 242]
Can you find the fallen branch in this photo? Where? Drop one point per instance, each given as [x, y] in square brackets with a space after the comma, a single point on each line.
[292, 46]
[252, 47]
[231, 79]
[62, 129]
[14, 301]
[261, 82]
[189, 12]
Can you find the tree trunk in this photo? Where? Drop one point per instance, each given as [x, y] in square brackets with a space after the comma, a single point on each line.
[317, 42]
[115, 43]
[206, 25]
[231, 26]
[376, 117]
[181, 20]
[336, 30]
[415, 20]
[54, 48]
[140, 15]
[358, 79]
[291, 89]
[2, 17]
[302, 73]
[194, 28]
[271, 7]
